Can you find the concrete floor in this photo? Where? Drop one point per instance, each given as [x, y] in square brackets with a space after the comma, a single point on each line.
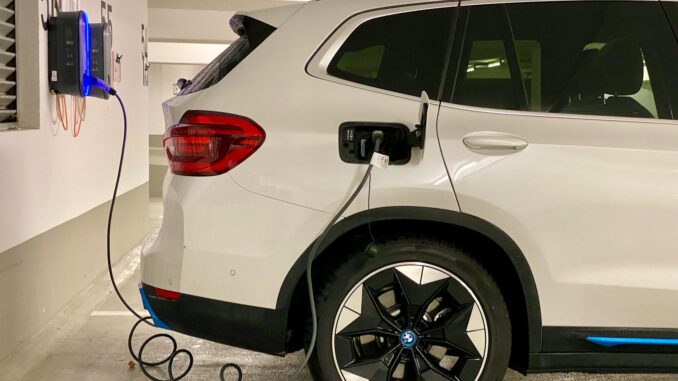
[88, 341]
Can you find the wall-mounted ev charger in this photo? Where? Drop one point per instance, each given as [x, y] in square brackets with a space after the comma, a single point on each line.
[100, 59]
[69, 53]
[79, 55]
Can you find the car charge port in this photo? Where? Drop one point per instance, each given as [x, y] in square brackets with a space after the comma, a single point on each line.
[356, 144]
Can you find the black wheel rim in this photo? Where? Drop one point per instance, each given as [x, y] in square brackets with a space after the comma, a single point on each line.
[410, 322]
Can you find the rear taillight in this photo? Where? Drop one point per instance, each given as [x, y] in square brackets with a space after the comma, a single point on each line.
[206, 143]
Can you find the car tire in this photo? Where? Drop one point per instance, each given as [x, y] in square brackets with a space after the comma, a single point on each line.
[424, 301]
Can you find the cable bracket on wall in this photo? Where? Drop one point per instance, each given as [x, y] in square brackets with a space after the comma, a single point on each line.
[53, 9]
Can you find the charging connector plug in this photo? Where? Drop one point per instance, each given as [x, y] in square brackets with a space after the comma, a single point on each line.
[98, 82]
[378, 159]
[377, 139]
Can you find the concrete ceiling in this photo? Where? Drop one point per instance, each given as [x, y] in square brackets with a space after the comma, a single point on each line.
[199, 21]
[219, 5]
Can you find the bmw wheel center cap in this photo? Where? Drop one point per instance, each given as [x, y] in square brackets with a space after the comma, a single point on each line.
[408, 338]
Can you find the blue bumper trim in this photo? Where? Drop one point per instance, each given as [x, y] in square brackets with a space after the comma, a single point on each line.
[609, 342]
[147, 306]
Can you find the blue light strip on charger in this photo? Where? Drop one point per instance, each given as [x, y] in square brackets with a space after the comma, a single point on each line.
[610, 342]
[88, 51]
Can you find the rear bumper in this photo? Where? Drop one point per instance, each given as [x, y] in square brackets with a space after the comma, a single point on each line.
[222, 242]
[257, 329]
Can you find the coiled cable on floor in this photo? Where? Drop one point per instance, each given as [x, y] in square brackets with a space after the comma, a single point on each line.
[169, 360]
[138, 356]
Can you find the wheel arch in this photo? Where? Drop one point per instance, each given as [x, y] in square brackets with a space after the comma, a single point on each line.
[523, 298]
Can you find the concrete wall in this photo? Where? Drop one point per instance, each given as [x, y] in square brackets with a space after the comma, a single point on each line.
[52, 181]
[162, 78]
[221, 5]
[40, 276]
[190, 25]
[183, 53]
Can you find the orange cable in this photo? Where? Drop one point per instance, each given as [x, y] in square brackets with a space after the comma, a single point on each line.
[76, 118]
[62, 111]
[83, 107]
[80, 115]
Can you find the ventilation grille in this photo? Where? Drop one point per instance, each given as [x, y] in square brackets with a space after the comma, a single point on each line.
[7, 62]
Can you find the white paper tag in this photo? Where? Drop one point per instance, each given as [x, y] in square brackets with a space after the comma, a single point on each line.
[379, 160]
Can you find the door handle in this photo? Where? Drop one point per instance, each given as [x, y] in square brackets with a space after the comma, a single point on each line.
[494, 141]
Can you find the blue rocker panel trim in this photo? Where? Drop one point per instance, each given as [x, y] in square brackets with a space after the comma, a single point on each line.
[147, 306]
[609, 342]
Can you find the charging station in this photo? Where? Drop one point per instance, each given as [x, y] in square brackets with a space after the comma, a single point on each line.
[69, 52]
[100, 58]
[79, 63]
[302, 210]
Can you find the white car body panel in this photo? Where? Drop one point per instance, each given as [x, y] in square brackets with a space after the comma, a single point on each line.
[274, 16]
[261, 216]
[592, 202]
[233, 247]
[306, 137]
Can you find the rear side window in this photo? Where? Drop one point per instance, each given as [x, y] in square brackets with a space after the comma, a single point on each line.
[404, 53]
[593, 58]
[252, 33]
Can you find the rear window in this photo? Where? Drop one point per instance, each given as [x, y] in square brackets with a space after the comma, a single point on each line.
[252, 33]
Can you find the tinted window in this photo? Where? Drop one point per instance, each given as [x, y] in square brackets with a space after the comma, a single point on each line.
[596, 58]
[671, 9]
[404, 53]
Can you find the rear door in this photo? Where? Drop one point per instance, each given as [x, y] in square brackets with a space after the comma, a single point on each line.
[559, 131]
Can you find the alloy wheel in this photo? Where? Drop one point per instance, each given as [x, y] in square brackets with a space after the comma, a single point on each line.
[410, 321]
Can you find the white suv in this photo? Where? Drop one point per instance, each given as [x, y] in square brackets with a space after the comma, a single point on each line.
[529, 219]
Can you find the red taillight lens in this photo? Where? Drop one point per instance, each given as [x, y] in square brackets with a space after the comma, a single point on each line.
[208, 143]
[166, 294]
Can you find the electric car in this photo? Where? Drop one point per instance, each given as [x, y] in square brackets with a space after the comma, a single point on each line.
[527, 219]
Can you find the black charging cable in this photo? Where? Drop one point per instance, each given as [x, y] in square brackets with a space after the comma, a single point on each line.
[138, 356]
[377, 138]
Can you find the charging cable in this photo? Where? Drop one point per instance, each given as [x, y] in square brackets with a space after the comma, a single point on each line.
[138, 356]
[377, 158]
[377, 138]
